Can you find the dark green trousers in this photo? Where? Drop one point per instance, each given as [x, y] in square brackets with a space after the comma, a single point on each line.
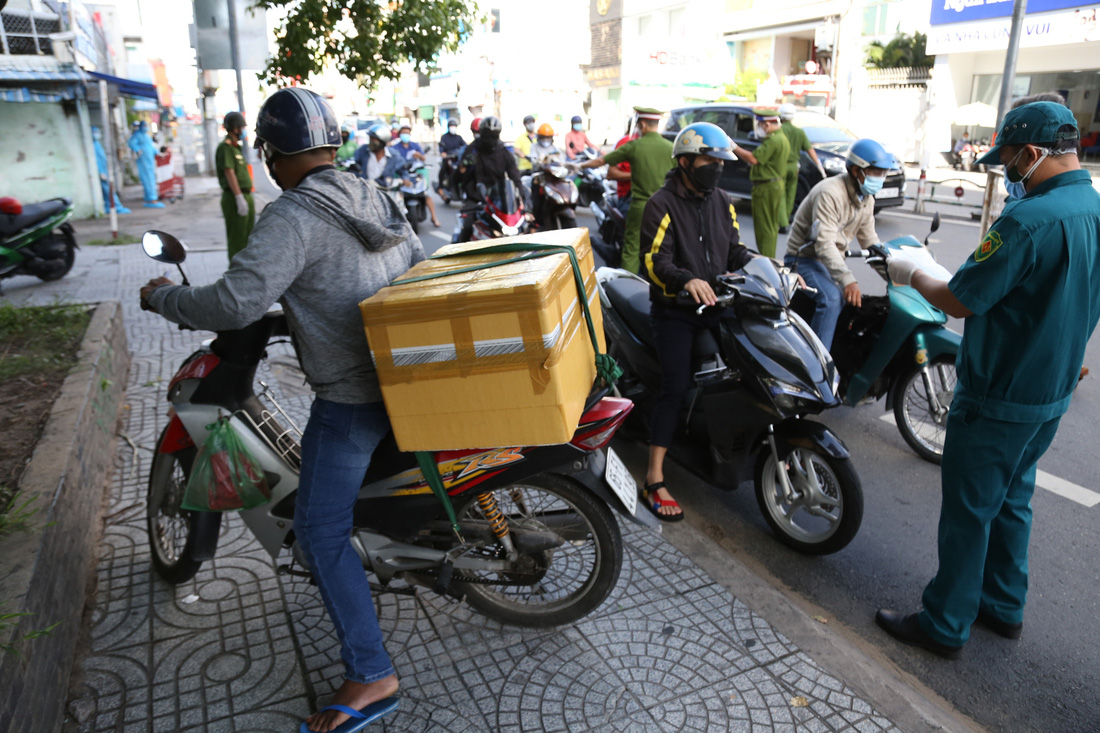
[988, 477]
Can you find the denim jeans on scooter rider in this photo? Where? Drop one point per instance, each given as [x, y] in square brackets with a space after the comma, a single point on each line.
[336, 450]
[828, 300]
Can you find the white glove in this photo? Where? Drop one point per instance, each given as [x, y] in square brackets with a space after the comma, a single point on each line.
[901, 270]
[821, 170]
[242, 204]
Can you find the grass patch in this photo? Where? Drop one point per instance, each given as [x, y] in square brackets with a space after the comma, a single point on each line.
[19, 513]
[9, 620]
[120, 239]
[39, 341]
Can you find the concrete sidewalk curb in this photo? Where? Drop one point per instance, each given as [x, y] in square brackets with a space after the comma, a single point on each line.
[48, 566]
[894, 693]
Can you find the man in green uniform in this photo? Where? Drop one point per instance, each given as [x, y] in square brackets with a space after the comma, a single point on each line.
[768, 172]
[238, 208]
[346, 151]
[650, 158]
[1030, 294]
[799, 142]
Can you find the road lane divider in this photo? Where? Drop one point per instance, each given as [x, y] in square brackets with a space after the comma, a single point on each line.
[1050, 482]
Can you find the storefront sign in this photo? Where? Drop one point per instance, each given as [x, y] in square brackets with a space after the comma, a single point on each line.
[603, 76]
[1051, 29]
[962, 11]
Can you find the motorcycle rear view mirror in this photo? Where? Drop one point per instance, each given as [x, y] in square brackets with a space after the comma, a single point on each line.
[163, 247]
[935, 227]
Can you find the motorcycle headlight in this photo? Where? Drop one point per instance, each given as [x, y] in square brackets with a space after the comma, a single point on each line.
[509, 231]
[787, 395]
[833, 165]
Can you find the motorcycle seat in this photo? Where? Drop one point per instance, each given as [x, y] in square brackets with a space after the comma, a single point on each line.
[32, 214]
[630, 298]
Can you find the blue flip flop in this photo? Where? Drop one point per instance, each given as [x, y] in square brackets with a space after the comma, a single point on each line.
[360, 719]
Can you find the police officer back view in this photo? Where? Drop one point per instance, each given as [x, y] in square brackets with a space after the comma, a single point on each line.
[1030, 294]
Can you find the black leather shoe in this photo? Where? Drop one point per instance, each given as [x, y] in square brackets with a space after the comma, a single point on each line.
[1001, 628]
[906, 629]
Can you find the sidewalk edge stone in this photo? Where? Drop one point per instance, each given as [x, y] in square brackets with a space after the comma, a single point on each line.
[47, 568]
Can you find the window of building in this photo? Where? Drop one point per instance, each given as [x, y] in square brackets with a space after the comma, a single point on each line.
[875, 18]
[676, 21]
[644, 22]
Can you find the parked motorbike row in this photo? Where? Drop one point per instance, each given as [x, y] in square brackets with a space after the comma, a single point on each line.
[37, 239]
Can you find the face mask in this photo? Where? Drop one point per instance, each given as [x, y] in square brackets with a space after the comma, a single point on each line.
[344, 136]
[405, 138]
[578, 127]
[705, 177]
[761, 130]
[1014, 182]
[452, 129]
[530, 127]
[375, 145]
[871, 185]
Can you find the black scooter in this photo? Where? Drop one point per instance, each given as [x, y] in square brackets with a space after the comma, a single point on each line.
[757, 375]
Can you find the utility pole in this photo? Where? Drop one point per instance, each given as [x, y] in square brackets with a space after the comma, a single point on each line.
[1008, 79]
[235, 52]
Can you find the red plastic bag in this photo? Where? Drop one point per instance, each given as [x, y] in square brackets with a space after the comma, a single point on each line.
[225, 476]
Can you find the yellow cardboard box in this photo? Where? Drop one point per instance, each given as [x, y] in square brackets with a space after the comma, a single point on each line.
[489, 358]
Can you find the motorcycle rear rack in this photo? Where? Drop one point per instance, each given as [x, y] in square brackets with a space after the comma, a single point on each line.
[272, 427]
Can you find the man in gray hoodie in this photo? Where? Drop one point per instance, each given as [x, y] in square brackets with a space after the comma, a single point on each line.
[328, 242]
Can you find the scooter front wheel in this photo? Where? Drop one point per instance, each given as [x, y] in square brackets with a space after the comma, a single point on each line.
[70, 258]
[823, 510]
[172, 529]
[921, 406]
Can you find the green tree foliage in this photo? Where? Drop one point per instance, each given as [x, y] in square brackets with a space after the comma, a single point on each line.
[364, 40]
[903, 51]
[746, 84]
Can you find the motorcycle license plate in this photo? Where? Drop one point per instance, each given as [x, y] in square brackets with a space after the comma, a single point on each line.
[887, 193]
[620, 481]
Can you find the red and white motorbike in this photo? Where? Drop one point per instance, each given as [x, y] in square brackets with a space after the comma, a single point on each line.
[539, 542]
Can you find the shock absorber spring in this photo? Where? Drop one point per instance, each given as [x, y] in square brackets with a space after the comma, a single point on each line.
[492, 513]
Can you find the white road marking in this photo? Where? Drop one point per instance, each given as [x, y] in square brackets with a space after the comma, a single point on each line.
[440, 235]
[1050, 482]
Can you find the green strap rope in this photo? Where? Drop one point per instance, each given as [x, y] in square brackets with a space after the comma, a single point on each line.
[607, 370]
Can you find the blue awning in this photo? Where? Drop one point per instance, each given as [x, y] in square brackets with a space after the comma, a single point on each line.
[7, 94]
[56, 76]
[127, 87]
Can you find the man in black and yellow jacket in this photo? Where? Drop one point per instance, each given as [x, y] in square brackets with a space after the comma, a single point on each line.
[689, 237]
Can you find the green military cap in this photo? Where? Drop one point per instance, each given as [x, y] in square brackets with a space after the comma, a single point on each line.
[766, 113]
[648, 113]
[1038, 123]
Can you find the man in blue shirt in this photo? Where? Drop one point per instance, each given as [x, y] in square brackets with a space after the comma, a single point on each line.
[1030, 294]
[410, 151]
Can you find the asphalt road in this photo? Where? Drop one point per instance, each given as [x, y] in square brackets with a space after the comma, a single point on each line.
[1050, 679]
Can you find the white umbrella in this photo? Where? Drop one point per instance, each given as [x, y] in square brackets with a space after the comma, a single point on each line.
[975, 114]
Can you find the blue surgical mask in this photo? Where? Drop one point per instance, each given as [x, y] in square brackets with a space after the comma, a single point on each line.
[405, 138]
[1015, 189]
[871, 185]
[578, 127]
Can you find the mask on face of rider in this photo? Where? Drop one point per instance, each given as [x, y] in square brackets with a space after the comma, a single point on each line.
[578, 126]
[405, 137]
[705, 177]
[1014, 181]
[871, 184]
[374, 145]
[530, 127]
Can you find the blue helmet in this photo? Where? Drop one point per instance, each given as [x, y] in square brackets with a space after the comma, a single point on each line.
[703, 138]
[867, 153]
[294, 119]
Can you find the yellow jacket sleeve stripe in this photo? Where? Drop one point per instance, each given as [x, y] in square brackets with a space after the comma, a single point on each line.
[654, 249]
[733, 215]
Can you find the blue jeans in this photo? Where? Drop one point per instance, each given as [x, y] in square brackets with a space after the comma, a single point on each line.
[336, 450]
[827, 301]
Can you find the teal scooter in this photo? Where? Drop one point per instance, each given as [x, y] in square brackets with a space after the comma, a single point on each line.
[900, 347]
[36, 239]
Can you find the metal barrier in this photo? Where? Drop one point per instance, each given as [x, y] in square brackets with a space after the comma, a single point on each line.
[958, 188]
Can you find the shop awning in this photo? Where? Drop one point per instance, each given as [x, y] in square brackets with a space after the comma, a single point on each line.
[39, 85]
[127, 87]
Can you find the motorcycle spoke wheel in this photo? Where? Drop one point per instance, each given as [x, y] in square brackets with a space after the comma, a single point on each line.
[922, 422]
[548, 587]
[824, 509]
[171, 528]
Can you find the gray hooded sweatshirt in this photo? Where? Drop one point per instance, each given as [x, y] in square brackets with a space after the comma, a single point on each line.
[319, 249]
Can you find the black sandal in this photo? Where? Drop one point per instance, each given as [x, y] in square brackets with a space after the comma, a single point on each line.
[649, 496]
